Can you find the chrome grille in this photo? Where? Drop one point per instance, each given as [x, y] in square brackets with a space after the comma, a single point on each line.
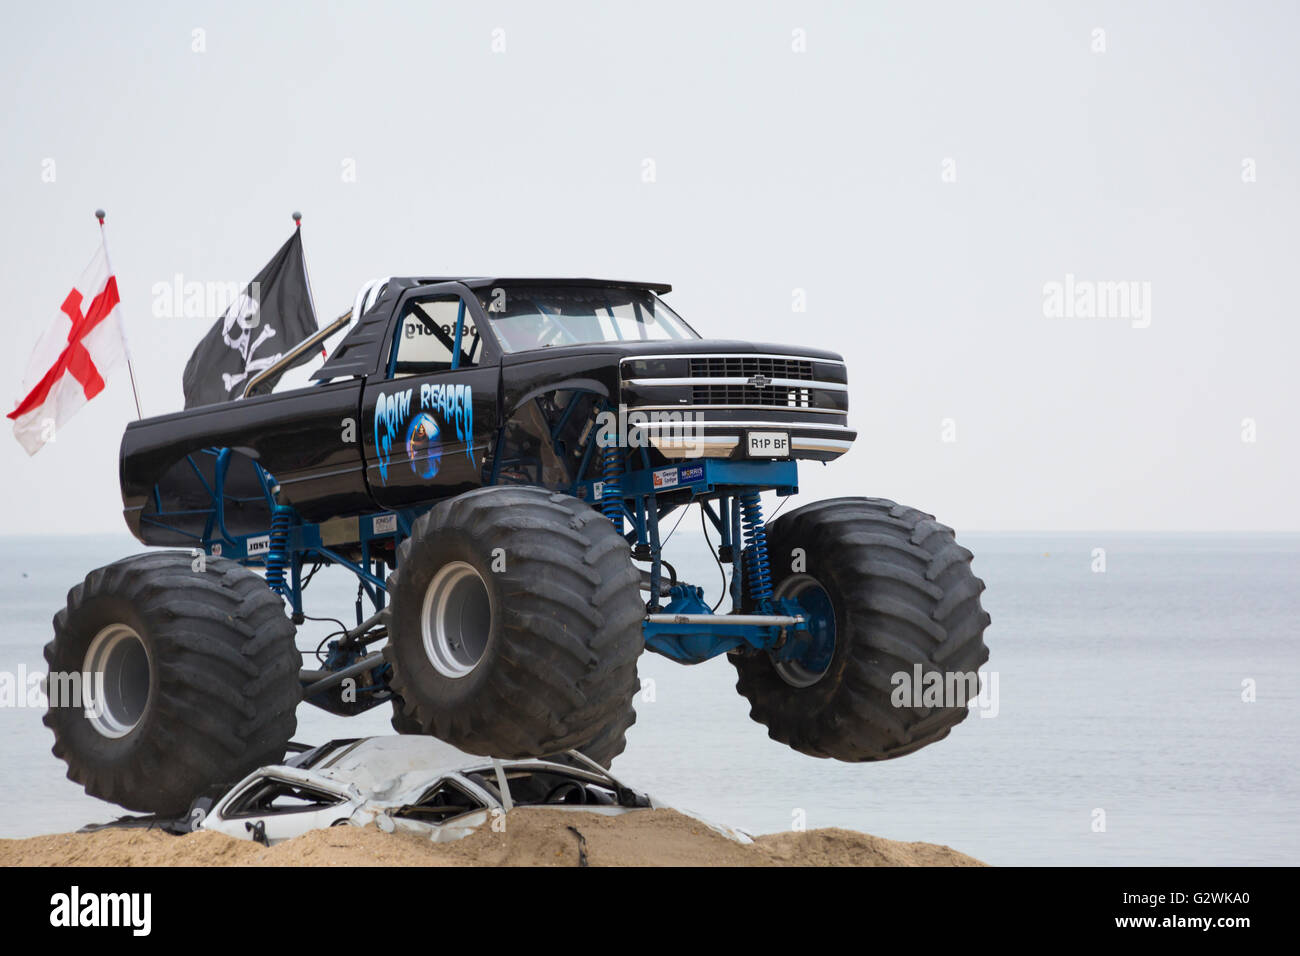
[750, 395]
[745, 366]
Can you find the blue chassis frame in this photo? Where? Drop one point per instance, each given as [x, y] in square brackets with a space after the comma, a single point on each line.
[726, 490]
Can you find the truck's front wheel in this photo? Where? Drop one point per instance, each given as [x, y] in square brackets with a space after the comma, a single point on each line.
[897, 632]
[515, 623]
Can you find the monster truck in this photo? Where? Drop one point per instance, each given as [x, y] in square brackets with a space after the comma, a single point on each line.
[493, 459]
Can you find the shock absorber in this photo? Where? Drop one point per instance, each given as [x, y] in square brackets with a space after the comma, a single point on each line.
[758, 573]
[277, 556]
[611, 496]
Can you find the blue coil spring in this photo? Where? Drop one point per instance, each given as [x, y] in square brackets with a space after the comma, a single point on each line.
[758, 573]
[277, 557]
[611, 497]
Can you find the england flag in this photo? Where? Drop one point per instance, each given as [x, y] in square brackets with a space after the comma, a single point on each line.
[73, 358]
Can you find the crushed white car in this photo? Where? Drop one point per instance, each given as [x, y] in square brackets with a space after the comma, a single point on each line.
[416, 784]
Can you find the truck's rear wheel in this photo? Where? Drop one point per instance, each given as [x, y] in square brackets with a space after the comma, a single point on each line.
[515, 623]
[887, 589]
[185, 679]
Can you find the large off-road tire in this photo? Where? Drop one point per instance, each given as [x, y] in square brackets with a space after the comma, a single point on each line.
[605, 744]
[200, 679]
[514, 623]
[898, 591]
[402, 724]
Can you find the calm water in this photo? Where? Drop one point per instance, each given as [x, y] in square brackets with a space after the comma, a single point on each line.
[1119, 690]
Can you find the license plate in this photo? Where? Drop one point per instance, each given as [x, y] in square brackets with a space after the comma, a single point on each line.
[768, 444]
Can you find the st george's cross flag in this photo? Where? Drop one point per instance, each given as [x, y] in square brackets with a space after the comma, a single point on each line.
[73, 358]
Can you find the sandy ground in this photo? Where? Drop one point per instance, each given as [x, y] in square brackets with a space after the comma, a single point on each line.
[530, 838]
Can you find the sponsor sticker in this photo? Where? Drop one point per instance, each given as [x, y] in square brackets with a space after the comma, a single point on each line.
[666, 478]
[384, 524]
[259, 545]
[691, 473]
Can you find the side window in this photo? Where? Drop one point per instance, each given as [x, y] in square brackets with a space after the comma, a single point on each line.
[427, 335]
[271, 795]
[445, 800]
[471, 346]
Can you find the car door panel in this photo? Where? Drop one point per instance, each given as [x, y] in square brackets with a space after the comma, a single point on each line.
[428, 434]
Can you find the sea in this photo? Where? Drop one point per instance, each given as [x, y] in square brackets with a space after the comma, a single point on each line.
[1143, 707]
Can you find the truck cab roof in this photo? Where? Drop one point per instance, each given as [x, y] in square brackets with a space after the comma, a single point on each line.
[359, 351]
[659, 288]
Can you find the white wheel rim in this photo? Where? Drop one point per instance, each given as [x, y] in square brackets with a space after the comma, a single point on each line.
[456, 620]
[116, 675]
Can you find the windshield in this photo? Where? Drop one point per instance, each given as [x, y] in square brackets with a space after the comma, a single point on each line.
[528, 317]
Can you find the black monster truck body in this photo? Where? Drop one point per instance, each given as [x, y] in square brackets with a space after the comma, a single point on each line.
[492, 459]
[497, 415]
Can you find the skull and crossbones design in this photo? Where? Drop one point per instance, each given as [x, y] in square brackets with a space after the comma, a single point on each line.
[243, 316]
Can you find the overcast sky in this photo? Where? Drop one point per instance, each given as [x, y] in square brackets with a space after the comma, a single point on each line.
[923, 172]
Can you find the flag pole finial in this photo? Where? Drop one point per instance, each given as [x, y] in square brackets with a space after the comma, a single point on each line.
[100, 214]
[297, 219]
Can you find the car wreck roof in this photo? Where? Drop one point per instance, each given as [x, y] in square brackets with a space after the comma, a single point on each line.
[381, 764]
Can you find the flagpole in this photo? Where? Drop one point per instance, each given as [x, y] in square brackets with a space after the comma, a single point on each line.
[306, 274]
[126, 345]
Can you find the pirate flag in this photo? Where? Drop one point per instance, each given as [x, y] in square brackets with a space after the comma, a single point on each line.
[272, 315]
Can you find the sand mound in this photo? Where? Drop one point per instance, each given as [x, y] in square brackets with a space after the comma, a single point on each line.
[530, 838]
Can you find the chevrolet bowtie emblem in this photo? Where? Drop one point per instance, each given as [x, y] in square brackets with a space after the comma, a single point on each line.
[760, 381]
